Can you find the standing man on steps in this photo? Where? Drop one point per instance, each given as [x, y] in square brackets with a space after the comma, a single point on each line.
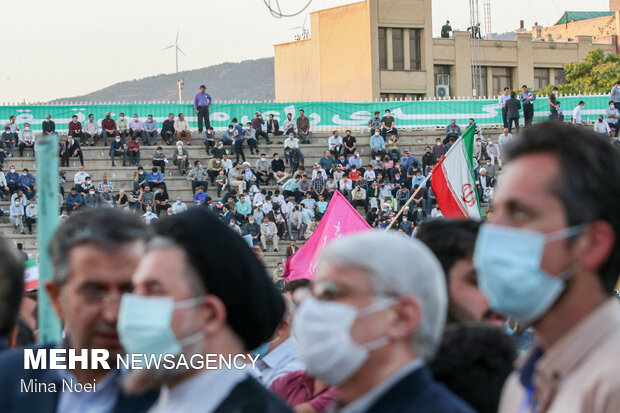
[202, 101]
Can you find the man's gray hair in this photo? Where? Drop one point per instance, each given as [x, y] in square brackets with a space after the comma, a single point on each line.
[401, 267]
[107, 228]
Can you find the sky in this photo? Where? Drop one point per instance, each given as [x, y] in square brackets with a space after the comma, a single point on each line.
[62, 48]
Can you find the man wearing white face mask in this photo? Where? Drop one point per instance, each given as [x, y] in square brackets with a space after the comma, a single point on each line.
[375, 319]
[194, 296]
[549, 258]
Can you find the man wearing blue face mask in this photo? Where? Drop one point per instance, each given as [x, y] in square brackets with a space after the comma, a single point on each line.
[93, 262]
[192, 296]
[549, 258]
[375, 319]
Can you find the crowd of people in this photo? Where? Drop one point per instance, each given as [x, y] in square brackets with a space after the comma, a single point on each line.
[429, 323]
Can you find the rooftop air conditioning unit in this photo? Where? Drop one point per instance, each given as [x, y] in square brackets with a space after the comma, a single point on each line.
[442, 91]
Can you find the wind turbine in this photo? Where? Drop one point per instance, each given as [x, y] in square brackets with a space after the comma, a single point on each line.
[177, 49]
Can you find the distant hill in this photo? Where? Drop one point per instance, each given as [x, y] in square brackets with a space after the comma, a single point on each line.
[250, 79]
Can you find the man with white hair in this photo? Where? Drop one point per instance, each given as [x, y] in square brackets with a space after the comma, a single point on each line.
[375, 318]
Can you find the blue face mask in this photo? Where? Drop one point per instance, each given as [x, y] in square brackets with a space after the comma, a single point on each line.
[144, 325]
[507, 261]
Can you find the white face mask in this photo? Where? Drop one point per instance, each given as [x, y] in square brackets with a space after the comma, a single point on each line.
[315, 320]
[27, 128]
[92, 192]
[121, 118]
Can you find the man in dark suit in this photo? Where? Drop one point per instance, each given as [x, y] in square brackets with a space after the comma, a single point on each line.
[93, 262]
[221, 302]
[71, 148]
[383, 309]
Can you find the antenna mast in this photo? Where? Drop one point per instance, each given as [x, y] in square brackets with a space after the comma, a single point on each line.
[476, 67]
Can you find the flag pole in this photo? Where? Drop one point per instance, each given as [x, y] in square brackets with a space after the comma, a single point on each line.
[409, 201]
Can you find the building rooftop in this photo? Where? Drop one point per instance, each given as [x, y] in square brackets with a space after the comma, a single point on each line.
[571, 16]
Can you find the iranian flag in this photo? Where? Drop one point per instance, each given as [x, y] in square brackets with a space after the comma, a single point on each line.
[453, 179]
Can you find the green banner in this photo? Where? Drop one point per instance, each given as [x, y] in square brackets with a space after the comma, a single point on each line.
[323, 115]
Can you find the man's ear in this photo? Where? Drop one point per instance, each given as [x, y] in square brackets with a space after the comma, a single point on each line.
[595, 245]
[54, 290]
[408, 318]
[215, 315]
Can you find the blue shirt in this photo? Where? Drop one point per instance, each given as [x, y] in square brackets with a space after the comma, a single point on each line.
[377, 143]
[417, 180]
[12, 178]
[201, 197]
[28, 180]
[151, 177]
[150, 125]
[525, 95]
[614, 111]
[73, 199]
[202, 99]
[407, 162]
[239, 130]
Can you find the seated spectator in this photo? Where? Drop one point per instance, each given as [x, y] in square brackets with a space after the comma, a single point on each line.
[233, 225]
[26, 139]
[80, 176]
[150, 129]
[181, 158]
[388, 125]
[4, 188]
[146, 198]
[291, 148]
[160, 159]
[227, 137]
[200, 197]
[167, 129]
[149, 216]
[289, 124]
[139, 178]
[392, 147]
[278, 168]
[408, 160]
[244, 208]
[252, 229]
[106, 197]
[345, 186]
[28, 183]
[484, 185]
[355, 160]
[70, 149]
[136, 128]
[369, 174]
[108, 128]
[335, 144]
[342, 162]
[257, 125]
[349, 143]
[269, 233]
[428, 158]
[214, 168]
[236, 178]
[9, 139]
[303, 188]
[75, 128]
[273, 127]
[318, 186]
[249, 177]
[122, 126]
[31, 214]
[133, 151]
[355, 173]
[405, 225]
[74, 200]
[16, 215]
[104, 183]
[439, 149]
[303, 127]
[121, 200]
[197, 176]
[181, 129]
[91, 131]
[452, 131]
[91, 199]
[117, 148]
[209, 140]
[263, 169]
[358, 198]
[155, 179]
[374, 124]
[161, 200]
[48, 126]
[179, 206]
[377, 145]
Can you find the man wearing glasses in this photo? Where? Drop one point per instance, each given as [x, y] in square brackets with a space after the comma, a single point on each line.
[93, 263]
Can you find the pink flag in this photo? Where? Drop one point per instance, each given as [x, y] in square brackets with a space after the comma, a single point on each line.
[340, 218]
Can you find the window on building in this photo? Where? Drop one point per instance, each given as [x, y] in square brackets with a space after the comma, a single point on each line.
[502, 77]
[560, 76]
[397, 49]
[382, 49]
[541, 78]
[415, 61]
